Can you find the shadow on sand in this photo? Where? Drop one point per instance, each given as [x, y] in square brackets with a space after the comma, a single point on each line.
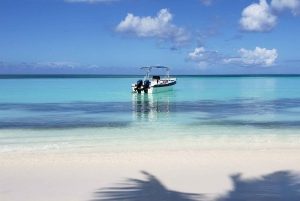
[150, 189]
[277, 186]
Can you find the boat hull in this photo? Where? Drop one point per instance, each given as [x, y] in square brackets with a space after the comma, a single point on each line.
[155, 89]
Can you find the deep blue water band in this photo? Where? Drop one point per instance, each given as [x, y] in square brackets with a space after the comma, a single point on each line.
[206, 112]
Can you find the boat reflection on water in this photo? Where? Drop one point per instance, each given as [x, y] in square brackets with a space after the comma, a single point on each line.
[152, 106]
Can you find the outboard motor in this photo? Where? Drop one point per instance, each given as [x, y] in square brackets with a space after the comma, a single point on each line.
[138, 86]
[146, 86]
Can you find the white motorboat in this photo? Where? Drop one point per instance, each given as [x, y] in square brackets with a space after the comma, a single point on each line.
[156, 84]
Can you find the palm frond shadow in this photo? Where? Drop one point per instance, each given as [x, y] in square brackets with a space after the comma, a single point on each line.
[277, 186]
[143, 190]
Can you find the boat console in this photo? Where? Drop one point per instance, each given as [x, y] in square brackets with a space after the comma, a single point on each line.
[155, 79]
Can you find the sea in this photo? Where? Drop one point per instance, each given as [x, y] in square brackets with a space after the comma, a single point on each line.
[99, 114]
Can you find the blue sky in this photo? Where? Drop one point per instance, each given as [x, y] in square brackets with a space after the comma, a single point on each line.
[119, 36]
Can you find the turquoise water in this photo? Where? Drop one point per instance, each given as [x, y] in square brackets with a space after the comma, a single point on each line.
[101, 114]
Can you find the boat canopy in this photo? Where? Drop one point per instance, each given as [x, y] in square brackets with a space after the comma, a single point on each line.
[150, 68]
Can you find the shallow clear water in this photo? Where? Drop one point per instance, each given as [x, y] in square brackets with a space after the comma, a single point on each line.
[101, 114]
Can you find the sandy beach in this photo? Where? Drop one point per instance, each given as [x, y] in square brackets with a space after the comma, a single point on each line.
[158, 175]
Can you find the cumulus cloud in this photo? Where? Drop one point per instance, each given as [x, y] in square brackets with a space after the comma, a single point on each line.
[200, 54]
[262, 17]
[258, 17]
[90, 1]
[282, 5]
[259, 57]
[203, 57]
[158, 27]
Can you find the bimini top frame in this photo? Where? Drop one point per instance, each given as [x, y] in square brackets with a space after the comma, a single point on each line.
[150, 68]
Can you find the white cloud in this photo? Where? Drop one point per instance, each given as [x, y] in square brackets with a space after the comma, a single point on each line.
[258, 57]
[57, 65]
[258, 17]
[158, 27]
[263, 17]
[201, 55]
[281, 5]
[90, 1]
[60, 65]
[92, 66]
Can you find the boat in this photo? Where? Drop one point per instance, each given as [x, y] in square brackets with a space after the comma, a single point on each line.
[156, 84]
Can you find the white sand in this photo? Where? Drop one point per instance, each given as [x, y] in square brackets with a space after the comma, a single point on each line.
[31, 176]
